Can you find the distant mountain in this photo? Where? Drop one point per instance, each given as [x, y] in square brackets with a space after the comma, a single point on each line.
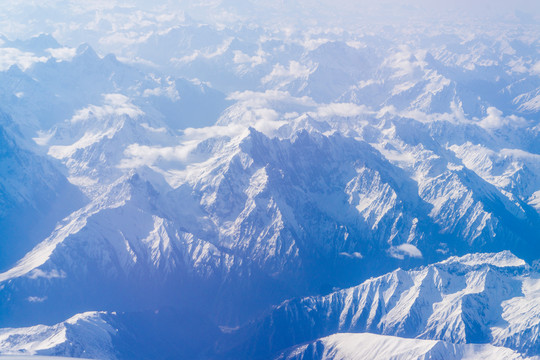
[51, 92]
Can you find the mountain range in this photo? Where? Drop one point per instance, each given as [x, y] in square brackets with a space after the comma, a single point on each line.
[242, 192]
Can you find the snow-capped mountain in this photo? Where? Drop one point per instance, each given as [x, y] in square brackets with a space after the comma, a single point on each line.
[477, 298]
[258, 204]
[99, 335]
[75, 84]
[213, 171]
[93, 335]
[32, 190]
[370, 346]
[452, 308]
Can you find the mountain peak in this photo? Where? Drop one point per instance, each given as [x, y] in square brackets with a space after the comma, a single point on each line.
[85, 51]
[36, 44]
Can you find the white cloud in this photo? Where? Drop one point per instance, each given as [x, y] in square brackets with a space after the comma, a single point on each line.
[312, 44]
[206, 53]
[63, 54]
[518, 66]
[242, 58]
[283, 75]
[123, 38]
[268, 127]
[495, 120]
[12, 56]
[535, 69]
[143, 155]
[534, 200]
[152, 129]
[405, 61]
[53, 274]
[36, 299]
[169, 91]
[341, 110]
[265, 111]
[520, 154]
[354, 255]
[356, 44]
[137, 155]
[212, 131]
[405, 250]
[263, 99]
[114, 105]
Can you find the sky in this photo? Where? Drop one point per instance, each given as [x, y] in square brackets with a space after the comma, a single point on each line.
[30, 13]
[73, 22]
[338, 12]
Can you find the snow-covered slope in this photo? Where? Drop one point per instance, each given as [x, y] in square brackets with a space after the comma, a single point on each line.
[110, 336]
[32, 190]
[477, 298]
[70, 338]
[438, 311]
[118, 252]
[92, 335]
[379, 347]
[257, 207]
